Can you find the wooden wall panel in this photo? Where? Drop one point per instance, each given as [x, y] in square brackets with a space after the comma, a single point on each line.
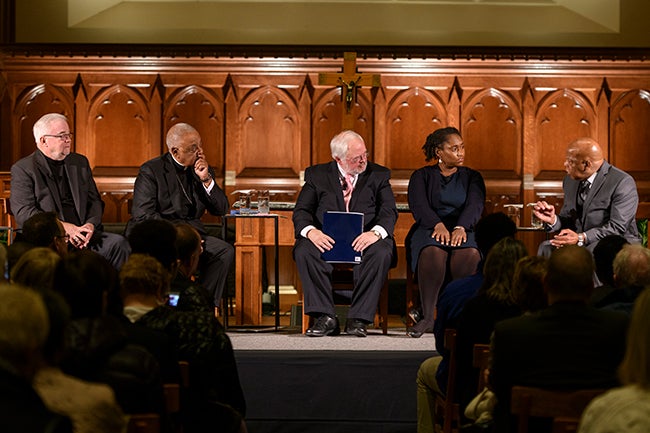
[203, 109]
[562, 116]
[630, 138]
[488, 115]
[411, 116]
[117, 129]
[30, 104]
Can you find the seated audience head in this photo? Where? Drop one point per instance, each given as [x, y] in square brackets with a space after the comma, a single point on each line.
[24, 326]
[156, 238]
[435, 141]
[15, 251]
[86, 280]
[144, 277]
[528, 283]
[45, 230]
[604, 253]
[491, 228]
[635, 368]
[632, 266]
[36, 268]
[189, 248]
[569, 276]
[499, 268]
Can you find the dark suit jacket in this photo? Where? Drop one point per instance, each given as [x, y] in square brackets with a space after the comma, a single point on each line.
[34, 189]
[157, 195]
[566, 346]
[372, 196]
[610, 207]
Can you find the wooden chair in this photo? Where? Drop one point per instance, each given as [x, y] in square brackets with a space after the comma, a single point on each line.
[143, 423]
[481, 360]
[564, 407]
[447, 413]
[342, 280]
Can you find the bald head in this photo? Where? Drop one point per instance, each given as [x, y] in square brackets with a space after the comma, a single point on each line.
[570, 274]
[584, 157]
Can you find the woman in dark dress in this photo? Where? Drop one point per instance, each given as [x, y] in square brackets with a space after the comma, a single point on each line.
[446, 200]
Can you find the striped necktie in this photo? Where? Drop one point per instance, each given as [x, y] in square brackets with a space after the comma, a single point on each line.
[347, 183]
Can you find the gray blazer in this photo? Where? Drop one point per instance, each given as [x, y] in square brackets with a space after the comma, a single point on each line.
[610, 206]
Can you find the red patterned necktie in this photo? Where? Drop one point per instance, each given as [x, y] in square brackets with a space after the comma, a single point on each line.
[347, 190]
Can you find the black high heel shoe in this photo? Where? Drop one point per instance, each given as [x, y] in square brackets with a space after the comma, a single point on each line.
[418, 330]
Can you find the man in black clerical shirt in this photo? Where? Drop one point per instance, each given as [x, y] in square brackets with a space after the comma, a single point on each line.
[55, 179]
[179, 186]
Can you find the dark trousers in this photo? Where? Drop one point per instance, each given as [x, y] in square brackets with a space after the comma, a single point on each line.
[215, 262]
[369, 276]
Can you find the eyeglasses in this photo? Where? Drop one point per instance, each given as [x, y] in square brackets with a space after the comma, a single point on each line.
[357, 159]
[65, 237]
[65, 136]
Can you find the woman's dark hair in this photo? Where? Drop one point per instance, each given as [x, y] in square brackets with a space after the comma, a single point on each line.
[436, 140]
[87, 281]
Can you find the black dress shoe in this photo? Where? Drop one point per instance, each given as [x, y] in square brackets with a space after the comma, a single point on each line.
[324, 325]
[356, 327]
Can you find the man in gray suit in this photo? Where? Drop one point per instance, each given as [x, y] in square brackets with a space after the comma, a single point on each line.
[55, 179]
[599, 200]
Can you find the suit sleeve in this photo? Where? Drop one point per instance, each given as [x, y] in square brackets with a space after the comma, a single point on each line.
[145, 194]
[386, 208]
[217, 202]
[623, 206]
[306, 205]
[23, 198]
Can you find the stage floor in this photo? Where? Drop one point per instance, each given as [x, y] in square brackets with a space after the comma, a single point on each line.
[294, 383]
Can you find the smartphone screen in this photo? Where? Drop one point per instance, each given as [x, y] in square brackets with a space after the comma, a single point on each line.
[173, 299]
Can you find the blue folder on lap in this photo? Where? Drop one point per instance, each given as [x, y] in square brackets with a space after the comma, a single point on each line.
[343, 227]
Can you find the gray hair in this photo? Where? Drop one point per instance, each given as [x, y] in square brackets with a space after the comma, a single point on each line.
[632, 266]
[341, 141]
[176, 132]
[41, 127]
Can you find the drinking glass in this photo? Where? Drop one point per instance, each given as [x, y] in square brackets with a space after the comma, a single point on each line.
[263, 204]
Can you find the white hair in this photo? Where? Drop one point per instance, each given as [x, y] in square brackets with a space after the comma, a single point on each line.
[341, 142]
[41, 127]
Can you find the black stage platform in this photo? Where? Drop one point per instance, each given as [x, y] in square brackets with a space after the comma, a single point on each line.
[333, 391]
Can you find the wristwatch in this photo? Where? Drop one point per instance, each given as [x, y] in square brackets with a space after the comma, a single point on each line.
[581, 239]
[376, 232]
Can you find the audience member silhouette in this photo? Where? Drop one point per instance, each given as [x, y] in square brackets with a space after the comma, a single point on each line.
[604, 254]
[92, 407]
[192, 296]
[627, 409]
[98, 346]
[631, 274]
[200, 339]
[568, 345]
[494, 301]
[528, 284]
[24, 326]
[44, 229]
[36, 268]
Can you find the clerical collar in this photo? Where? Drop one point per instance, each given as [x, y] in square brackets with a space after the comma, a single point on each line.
[179, 166]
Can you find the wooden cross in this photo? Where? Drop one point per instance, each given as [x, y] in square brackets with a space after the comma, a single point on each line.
[349, 81]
